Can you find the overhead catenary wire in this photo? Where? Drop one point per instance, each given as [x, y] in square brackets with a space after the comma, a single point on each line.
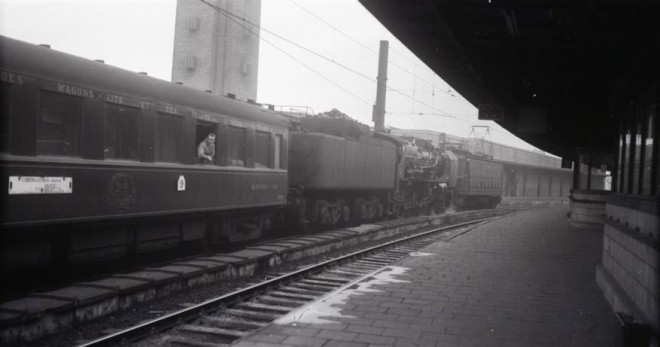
[230, 17]
[447, 114]
[334, 28]
[241, 21]
[441, 113]
[257, 26]
[461, 118]
[367, 47]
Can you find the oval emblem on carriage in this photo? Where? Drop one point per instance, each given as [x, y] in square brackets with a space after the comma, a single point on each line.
[121, 192]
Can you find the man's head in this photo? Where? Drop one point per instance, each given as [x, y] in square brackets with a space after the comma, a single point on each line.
[210, 138]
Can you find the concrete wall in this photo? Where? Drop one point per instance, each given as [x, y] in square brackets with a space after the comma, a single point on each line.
[588, 209]
[525, 181]
[212, 52]
[629, 273]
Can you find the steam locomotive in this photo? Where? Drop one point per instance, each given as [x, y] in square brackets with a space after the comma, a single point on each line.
[341, 173]
[100, 163]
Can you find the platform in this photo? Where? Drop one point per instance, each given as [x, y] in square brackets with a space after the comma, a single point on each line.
[527, 279]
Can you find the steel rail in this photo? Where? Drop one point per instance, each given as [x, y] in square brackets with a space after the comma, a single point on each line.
[184, 315]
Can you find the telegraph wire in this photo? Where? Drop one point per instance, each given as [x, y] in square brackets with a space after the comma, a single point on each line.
[284, 52]
[376, 53]
[421, 102]
[367, 47]
[230, 14]
[459, 118]
[333, 27]
[234, 18]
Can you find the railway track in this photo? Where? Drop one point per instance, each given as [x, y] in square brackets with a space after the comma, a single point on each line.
[227, 318]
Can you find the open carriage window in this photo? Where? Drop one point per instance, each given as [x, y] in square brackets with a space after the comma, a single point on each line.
[60, 119]
[204, 147]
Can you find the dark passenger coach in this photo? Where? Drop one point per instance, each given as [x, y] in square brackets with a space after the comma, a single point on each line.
[100, 162]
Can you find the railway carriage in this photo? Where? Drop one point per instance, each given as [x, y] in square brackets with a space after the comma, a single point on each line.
[100, 162]
[479, 183]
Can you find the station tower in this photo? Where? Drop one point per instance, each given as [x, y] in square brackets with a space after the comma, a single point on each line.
[214, 49]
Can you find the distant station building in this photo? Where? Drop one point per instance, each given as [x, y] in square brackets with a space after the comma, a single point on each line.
[216, 48]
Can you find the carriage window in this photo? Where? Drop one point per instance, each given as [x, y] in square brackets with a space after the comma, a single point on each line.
[169, 137]
[121, 132]
[278, 151]
[236, 141]
[262, 149]
[5, 102]
[59, 124]
[203, 130]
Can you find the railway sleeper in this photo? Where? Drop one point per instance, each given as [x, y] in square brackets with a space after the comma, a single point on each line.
[345, 273]
[329, 285]
[182, 341]
[259, 307]
[310, 287]
[292, 296]
[384, 257]
[253, 315]
[370, 262]
[359, 268]
[272, 300]
[227, 335]
[295, 290]
[226, 322]
[338, 280]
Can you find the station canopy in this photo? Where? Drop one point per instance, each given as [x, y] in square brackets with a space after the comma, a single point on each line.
[548, 71]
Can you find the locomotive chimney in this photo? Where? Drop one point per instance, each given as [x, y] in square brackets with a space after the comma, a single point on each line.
[379, 107]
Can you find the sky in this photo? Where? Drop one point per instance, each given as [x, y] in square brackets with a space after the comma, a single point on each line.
[340, 73]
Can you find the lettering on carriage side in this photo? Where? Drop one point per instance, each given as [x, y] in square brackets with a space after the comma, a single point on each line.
[144, 104]
[19, 185]
[117, 99]
[75, 91]
[171, 109]
[10, 77]
[202, 116]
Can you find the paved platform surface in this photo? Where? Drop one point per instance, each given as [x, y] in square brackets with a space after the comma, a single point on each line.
[524, 280]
